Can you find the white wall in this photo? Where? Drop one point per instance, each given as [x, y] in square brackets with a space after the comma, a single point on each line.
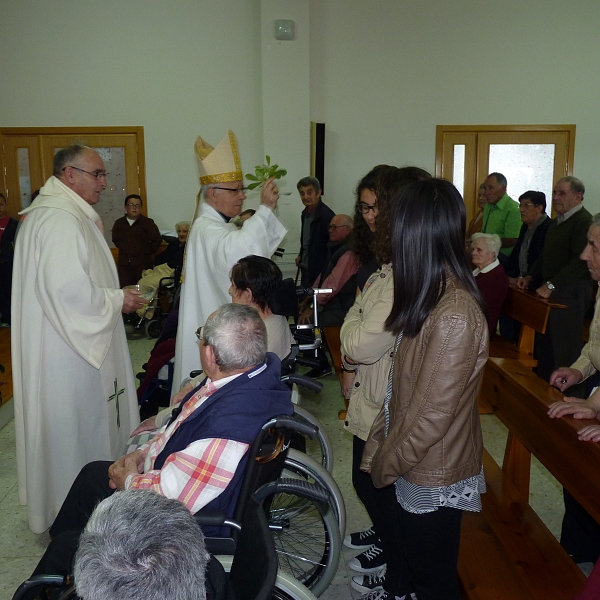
[180, 69]
[384, 73]
[380, 73]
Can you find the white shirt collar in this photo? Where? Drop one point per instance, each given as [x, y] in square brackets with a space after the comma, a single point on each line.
[487, 269]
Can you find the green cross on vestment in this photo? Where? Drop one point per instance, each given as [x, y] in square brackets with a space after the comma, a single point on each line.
[115, 396]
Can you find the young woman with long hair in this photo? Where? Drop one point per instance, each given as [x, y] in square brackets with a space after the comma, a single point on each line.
[427, 439]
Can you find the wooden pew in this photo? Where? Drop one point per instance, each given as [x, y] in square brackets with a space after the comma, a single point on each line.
[506, 550]
[532, 312]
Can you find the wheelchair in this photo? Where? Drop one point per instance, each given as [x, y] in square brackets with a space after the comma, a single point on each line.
[253, 572]
[165, 299]
[305, 530]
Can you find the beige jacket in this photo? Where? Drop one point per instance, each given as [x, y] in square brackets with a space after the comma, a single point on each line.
[364, 340]
[435, 435]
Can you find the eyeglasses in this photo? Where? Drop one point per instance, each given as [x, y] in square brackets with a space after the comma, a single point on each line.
[528, 204]
[95, 174]
[240, 190]
[133, 205]
[199, 332]
[337, 226]
[365, 208]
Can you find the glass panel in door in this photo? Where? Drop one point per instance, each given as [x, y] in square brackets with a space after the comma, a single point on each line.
[529, 160]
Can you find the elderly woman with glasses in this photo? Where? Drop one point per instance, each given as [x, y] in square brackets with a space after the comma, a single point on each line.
[490, 276]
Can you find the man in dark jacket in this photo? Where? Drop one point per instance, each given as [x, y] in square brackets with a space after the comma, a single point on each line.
[199, 459]
[137, 237]
[314, 234]
[532, 206]
[566, 279]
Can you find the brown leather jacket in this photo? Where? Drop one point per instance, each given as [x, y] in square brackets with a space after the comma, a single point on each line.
[434, 437]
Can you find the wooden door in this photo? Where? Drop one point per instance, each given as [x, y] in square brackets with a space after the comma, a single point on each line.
[530, 156]
[121, 148]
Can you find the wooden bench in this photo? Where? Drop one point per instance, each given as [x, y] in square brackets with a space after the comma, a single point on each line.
[532, 312]
[506, 550]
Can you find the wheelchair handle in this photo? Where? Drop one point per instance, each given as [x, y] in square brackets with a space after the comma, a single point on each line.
[289, 422]
[308, 291]
[304, 381]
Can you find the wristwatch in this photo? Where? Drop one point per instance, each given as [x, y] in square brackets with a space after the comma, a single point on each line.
[549, 285]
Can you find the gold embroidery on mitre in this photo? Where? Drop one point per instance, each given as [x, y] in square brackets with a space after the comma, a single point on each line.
[221, 163]
[234, 149]
[222, 178]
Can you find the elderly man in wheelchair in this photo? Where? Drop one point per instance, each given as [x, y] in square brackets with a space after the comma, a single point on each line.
[199, 458]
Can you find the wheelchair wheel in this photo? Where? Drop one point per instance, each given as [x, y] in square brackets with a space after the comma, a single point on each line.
[286, 587]
[319, 449]
[47, 587]
[153, 328]
[307, 541]
[302, 466]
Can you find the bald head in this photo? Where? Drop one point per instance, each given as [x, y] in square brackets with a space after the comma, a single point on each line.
[340, 228]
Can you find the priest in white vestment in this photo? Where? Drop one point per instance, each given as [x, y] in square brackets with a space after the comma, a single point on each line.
[74, 389]
[215, 244]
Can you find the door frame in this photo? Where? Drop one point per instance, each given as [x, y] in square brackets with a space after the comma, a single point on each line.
[138, 131]
[470, 134]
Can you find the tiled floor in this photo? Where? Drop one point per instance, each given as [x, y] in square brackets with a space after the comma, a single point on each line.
[20, 549]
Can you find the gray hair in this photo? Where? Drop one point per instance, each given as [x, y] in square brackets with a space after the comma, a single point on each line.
[187, 224]
[138, 544]
[306, 181]
[205, 188]
[596, 219]
[499, 178]
[238, 337]
[65, 156]
[576, 184]
[492, 241]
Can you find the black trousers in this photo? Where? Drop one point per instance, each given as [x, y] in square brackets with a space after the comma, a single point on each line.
[6, 269]
[382, 507]
[579, 534]
[561, 345]
[89, 488]
[430, 543]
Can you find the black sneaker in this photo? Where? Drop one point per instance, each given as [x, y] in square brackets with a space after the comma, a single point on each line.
[369, 561]
[361, 540]
[319, 372]
[370, 581]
